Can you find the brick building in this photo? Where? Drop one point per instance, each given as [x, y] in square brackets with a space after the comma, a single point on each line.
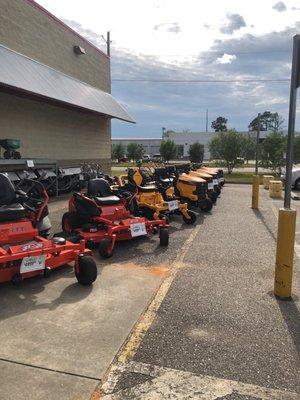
[54, 88]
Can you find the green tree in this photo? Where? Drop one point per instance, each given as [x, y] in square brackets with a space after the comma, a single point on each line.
[135, 151]
[248, 147]
[118, 151]
[227, 146]
[220, 124]
[268, 122]
[168, 150]
[196, 152]
[272, 151]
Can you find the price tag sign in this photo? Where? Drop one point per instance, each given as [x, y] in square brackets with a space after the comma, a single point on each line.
[173, 205]
[34, 263]
[210, 185]
[221, 179]
[138, 229]
[215, 181]
[81, 177]
[30, 163]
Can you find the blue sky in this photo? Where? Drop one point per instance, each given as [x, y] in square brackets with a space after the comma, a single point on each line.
[191, 40]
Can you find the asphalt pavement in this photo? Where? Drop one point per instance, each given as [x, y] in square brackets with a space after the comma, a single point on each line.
[218, 332]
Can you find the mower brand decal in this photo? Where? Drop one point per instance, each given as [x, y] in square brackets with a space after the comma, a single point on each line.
[138, 229]
[173, 205]
[32, 264]
[31, 246]
[210, 185]
[215, 182]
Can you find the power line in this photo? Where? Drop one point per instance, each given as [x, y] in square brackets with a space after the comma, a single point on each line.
[201, 80]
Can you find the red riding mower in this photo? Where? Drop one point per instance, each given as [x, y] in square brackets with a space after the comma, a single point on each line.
[104, 216]
[24, 253]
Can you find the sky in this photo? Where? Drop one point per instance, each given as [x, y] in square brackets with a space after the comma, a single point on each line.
[194, 42]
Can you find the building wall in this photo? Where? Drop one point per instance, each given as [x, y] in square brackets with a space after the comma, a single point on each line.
[150, 146]
[27, 29]
[53, 132]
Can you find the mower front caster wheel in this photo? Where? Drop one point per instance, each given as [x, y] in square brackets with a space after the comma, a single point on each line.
[192, 218]
[163, 237]
[105, 249]
[87, 270]
[207, 205]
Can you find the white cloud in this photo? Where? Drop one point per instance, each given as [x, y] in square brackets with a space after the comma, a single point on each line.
[280, 6]
[226, 59]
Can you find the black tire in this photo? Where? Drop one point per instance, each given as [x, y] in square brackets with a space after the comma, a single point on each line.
[207, 205]
[104, 248]
[163, 237]
[213, 196]
[165, 217]
[217, 191]
[87, 273]
[192, 220]
[297, 184]
[69, 221]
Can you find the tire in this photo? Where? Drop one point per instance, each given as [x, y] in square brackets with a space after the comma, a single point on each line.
[87, 273]
[297, 184]
[217, 191]
[68, 221]
[207, 206]
[165, 216]
[164, 237]
[104, 248]
[213, 196]
[192, 220]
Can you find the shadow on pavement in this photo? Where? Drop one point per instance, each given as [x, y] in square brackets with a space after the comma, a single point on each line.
[259, 216]
[291, 315]
[17, 300]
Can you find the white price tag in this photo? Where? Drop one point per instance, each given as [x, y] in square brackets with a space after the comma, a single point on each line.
[210, 186]
[221, 180]
[81, 177]
[173, 205]
[215, 181]
[30, 163]
[34, 263]
[138, 229]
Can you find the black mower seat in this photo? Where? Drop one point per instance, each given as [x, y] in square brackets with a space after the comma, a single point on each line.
[12, 212]
[107, 201]
[147, 189]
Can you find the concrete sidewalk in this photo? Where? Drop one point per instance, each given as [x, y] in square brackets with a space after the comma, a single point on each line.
[219, 332]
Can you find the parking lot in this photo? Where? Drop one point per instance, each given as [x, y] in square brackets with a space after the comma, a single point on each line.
[200, 308]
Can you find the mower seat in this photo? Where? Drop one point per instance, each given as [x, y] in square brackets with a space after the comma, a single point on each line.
[107, 201]
[147, 189]
[10, 209]
[12, 212]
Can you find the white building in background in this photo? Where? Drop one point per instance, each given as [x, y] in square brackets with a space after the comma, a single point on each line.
[182, 139]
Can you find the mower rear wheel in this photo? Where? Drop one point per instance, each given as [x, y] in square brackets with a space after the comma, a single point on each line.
[192, 219]
[68, 221]
[87, 270]
[165, 217]
[105, 250]
[163, 237]
[207, 205]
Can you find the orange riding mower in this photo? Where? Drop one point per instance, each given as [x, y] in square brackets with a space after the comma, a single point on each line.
[155, 200]
[104, 216]
[25, 250]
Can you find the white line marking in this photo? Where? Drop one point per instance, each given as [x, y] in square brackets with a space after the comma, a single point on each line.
[174, 384]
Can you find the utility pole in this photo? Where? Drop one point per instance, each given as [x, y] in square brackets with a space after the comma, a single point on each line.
[108, 42]
[206, 130]
[257, 144]
[287, 216]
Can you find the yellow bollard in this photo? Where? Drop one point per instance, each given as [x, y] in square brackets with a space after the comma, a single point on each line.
[275, 189]
[255, 191]
[285, 253]
[266, 181]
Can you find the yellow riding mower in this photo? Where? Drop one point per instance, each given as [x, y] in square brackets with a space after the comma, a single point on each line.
[192, 189]
[150, 201]
[216, 172]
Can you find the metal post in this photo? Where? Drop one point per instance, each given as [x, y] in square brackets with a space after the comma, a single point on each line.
[108, 43]
[292, 117]
[287, 217]
[257, 144]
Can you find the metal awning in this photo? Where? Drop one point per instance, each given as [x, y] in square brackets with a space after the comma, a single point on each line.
[24, 74]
